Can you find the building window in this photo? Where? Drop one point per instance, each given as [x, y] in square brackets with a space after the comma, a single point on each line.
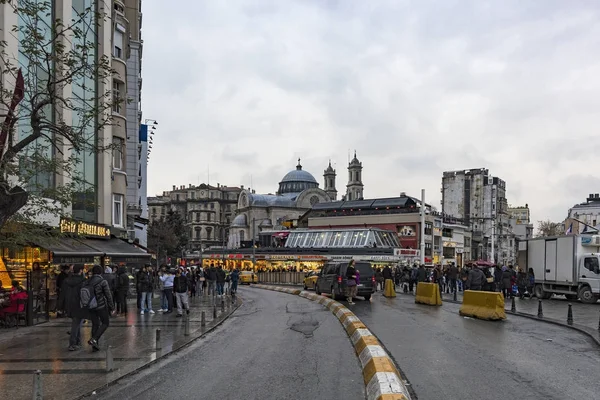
[212, 206]
[117, 215]
[118, 90]
[118, 44]
[118, 146]
[242, 236]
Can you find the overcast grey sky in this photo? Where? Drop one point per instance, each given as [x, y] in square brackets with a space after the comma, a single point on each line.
[416, 87]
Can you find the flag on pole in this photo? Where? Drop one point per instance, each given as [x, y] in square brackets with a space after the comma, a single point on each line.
[570, 230]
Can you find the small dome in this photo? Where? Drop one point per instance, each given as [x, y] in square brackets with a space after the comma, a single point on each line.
[266, 223]
[240, 220]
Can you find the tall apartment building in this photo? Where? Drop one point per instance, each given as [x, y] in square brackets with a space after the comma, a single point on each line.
[127, 52]
[520, 221]
[207, 211]
[479, 199]
[100, 198]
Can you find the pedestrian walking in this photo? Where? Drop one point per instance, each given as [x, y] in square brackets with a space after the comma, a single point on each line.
[122, 290]
[476, 279]
[167, 278]
[100, 315]
[211, 279]
[70, 303]
[351, 288]
[235, 278]
[221, 276]
[180, 285]
[145, 282]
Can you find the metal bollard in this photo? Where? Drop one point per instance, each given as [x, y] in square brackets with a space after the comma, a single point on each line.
[38, 393]
[454, 295]
[158, 345]
[222, 305]
[570, 315]
[228, 306]
[540, 311]
[109, 360]
[203, 319]
[187, 326]
[513, 305]
[215, 311]
[599, 323]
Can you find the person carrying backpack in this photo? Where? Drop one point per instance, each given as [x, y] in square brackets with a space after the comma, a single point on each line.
[96, 297]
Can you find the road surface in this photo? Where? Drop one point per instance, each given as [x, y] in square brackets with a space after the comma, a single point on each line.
[275, 346]
[444, 355]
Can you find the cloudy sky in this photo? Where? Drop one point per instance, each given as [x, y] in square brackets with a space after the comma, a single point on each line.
[416, 87]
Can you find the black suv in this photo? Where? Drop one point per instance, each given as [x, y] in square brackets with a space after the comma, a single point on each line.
[332, 279]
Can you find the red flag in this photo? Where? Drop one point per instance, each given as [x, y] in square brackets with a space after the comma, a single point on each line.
[18, 95]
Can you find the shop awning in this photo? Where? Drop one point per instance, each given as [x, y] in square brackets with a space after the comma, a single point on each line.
[67, 247]
[118, 250]
[66, 250]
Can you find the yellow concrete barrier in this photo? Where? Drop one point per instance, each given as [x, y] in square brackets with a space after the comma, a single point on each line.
[390, 289]
[483, 305]
[428, 293]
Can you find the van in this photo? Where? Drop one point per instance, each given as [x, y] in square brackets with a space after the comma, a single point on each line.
[332, 280]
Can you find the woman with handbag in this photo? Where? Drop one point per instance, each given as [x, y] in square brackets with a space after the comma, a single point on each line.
[351, 287]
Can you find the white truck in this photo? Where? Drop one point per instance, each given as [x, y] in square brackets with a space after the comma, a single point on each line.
[565, 265]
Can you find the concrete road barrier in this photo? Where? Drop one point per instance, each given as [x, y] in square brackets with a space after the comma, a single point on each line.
[483, 305]
[382, 378]
[428, 293]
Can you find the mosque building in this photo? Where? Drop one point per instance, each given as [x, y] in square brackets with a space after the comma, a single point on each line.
[298, 192]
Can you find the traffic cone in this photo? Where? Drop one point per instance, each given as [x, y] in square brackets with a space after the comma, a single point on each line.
[390, 289]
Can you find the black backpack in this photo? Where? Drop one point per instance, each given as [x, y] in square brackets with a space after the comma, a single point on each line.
[87, 295]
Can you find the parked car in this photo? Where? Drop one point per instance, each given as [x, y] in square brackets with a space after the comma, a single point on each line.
[248, 277]
[332, 280]
[310, 280]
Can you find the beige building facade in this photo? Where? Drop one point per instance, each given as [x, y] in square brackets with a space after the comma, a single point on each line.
[207, 211]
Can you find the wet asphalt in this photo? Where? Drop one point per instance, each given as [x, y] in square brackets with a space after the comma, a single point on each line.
[444, 355]
[275, 346]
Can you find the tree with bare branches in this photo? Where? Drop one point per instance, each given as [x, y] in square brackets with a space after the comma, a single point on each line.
[548, 228]
[54, 97]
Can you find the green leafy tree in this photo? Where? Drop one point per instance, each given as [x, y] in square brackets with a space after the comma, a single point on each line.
[51, 111]
[167, 236]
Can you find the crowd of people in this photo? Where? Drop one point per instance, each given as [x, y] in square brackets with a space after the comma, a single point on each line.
[509, 280]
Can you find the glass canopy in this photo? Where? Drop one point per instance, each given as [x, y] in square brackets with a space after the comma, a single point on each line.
[349, 238]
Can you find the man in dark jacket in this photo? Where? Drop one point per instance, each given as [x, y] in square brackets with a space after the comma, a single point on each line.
[476, 279]
[69, 301]
[452, 277]
[211, 278]
[221, 275]
[121, 289]
[180, 286]
[100, 315]
[145, 286]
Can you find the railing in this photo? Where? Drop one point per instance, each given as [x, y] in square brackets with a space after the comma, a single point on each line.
[284, 277]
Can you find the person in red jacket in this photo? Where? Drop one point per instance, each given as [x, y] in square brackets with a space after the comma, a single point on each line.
[16, 293]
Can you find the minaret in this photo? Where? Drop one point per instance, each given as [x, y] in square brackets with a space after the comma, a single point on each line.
[329, 177]
[354, 188]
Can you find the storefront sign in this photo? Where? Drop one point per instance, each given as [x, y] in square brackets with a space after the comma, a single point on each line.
[407, 252]
[311, 257]
[133, 260]
[437, 232]
[449, 244]
[80, 228]
[68, 260]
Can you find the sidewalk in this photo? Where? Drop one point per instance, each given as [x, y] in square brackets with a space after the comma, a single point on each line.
[71, 374]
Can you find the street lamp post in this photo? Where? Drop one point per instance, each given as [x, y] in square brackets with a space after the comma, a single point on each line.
[253, 246]
[422, 226]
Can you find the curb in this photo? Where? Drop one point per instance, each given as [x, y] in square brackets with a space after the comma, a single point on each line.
[381, 376]
[98, 390]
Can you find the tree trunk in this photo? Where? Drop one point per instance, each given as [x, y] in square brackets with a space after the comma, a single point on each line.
[11, 201]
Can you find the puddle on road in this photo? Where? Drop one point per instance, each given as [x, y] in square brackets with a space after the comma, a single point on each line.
[302, 317]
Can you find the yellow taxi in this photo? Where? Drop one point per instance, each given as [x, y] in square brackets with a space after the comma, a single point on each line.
[311, 279]
[248, 277]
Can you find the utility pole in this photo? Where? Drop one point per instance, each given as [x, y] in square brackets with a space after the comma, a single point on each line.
[422, 226]
[493, 259]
